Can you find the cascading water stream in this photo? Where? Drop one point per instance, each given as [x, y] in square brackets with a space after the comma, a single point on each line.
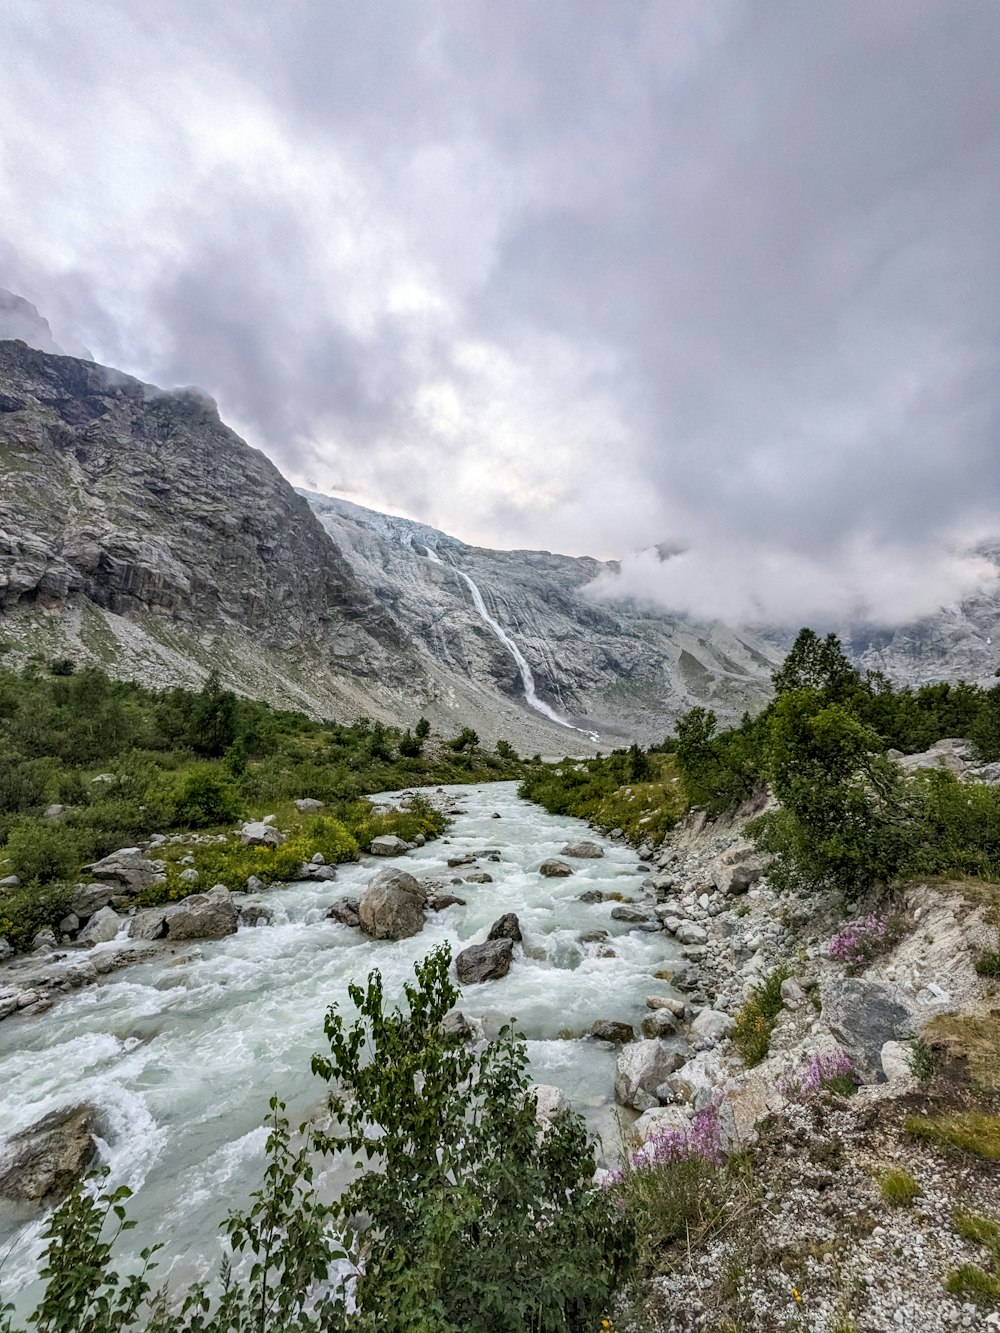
[527, 678]
[180, 1054]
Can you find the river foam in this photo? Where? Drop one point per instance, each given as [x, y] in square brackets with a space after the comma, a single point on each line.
[182, 1053]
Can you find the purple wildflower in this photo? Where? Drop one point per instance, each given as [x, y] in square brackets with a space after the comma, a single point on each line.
[701, 1140]
[859, 941]
[821, 1074]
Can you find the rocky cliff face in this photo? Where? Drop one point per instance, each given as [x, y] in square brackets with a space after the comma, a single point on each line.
[620, 671]
[137, 529]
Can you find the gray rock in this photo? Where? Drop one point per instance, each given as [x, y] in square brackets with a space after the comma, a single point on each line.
[711, 1025]
[46, 1160]
[591, 896]
[550, 1102]
[585, 850]
[346, 911]
[255, 914]
[634, 915]
[387, 844]
[690, 933]
[69, 925]
[457, 1025]
[506, 927]
[484, 962]
[792, 994]
[479, 877]
[555, 869]
[53, 811]
[204, 916]
[660, 1023]
[189, 876]
[675, 1006]
[6, 950]
[102, 927]
[442, 900]
[258, 833]
[611, 1029]
[863, 1015]
[466, 859]
[895, 1059]
[255, 885]
[306, 805]
[86, 899]
[150, 923]
[44, 942]
[10, 882]
[129, 868]
[641, 1067]
[392, 906]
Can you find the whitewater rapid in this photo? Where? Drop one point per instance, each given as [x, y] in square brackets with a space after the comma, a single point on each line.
[527, 676]
[181, 1054]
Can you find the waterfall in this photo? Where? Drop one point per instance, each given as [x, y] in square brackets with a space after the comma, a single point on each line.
[527, 678]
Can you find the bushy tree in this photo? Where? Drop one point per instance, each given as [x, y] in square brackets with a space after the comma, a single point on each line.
[422, 730]
[214, 723]
[207, 796]
[410, 746]
[467, 739]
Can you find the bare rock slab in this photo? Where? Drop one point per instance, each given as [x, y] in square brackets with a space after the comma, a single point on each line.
[47, 1159]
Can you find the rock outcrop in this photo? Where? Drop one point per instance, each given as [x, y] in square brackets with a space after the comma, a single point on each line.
[43, 1162]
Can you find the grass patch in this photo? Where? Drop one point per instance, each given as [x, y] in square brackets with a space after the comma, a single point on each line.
[923, 1060]
[640, 793]
[982, 1230]
[988, 964]
[974, 1040]
[899, 1189]
[971, 1283]
[972, 1131]
[755, 1021]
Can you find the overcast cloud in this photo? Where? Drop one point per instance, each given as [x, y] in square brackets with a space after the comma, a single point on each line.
[716, 273]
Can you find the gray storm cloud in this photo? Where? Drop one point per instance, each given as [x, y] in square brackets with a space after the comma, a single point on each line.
[575, 276]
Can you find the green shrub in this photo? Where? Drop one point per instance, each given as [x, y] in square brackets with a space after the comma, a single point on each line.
[207, 797]
[30, 909]
[755, 1021]
[467, 739]
[899, 1188]
[988, 964]
[42, 850]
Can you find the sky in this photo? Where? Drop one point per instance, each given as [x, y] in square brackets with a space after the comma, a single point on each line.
[717, 277]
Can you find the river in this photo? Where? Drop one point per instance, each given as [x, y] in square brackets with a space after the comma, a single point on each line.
[181, 1054]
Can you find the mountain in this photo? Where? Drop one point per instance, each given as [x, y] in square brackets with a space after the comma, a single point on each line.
[619, 670]
[138, 531]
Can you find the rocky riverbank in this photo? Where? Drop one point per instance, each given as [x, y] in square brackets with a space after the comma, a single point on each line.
[883, 1038]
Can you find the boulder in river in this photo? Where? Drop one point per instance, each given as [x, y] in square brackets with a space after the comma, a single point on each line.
[479, 877]
[660, 1023]
[387, 844]
[612, 1029]
[148, 924]
[204, 916]
[590, 851]
[103, 926]
[484, 962]
[506, 927]
[553, 868]
[550, 1102]
[457, 1025]
[345, 910]
[392, 906]
[44, 1161]
[442, 900]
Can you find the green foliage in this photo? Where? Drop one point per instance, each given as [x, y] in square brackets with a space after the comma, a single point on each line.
[602, 792]
[422, 730]
[206, 797]
[83, 1293]
[923, 1060]
[41, 850]
[214, 722]
[971, 1283]
[899, 1189]
[476, 1222]
[719, 769]
[988, 964]
[30, 909]
[467, 739]
[490, 1241]
[973, 1131]
[62, 666]
[755, 1021]
[818, 665]
[669, 1202]
[409, 746]
[505, 750]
